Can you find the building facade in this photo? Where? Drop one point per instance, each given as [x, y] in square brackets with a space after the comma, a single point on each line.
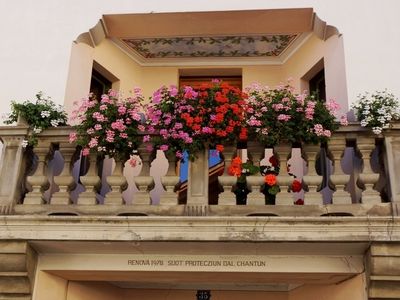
[61, 239]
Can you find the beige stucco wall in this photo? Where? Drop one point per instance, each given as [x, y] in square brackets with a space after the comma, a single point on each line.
[49, 287]
[130, 74]
[353, 289]
[93, 291]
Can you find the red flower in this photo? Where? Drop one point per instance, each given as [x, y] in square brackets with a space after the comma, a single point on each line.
[296, 186]
[273, 161]
[235, 170]
[270, 179]
[220, 148]
[243, 134]
[299, 202]
[237, 161]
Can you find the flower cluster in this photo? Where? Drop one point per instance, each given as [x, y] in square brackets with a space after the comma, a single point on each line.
[241, 170]
[109, 126]
[376, 110]
[42, 114]
[270, 173]
[279, 114]
[190, 120]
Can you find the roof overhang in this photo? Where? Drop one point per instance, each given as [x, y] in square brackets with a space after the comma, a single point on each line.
[216, 37]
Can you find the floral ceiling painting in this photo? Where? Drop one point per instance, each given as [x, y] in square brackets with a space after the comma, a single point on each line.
[222, 46]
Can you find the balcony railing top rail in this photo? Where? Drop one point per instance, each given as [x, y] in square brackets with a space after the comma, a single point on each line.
[356, 173]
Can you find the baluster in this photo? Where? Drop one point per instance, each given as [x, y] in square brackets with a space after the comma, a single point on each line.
[198, 179]
[118, 183]
[392, 146]
[65, 180]
[227, 197]
[169, 181]
[11, 171]
[312, 180]
[144, 182]
[39, 181]
[336, 147]
[367, 178]
[91, 181]
[254, 182]
[282, 152]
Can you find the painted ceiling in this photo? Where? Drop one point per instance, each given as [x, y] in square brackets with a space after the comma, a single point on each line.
[222, 46]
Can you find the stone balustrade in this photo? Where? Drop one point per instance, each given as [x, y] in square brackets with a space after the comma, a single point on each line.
[340, 180]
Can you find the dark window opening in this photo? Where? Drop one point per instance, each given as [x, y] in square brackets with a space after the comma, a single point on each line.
[99, 85]
[317, 85]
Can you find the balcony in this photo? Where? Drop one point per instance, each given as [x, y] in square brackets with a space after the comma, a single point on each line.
[359, 177]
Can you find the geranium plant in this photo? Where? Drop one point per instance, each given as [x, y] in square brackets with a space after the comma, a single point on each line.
[279, 114]
[192, 120]
[39, 115]
[109, 126]
[377, 110]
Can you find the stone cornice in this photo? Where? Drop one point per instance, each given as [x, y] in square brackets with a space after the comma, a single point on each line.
[254, 229]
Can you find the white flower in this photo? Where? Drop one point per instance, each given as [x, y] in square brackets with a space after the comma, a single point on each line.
[45, 114]
[37, 130]
[24, 143]
[364, 123]
[376, 130]
[54, 123]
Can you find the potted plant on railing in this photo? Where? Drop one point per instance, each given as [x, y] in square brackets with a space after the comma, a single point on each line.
[194, 120]
[110, 126]
[377, 110]
[278, 117]
[38, 115]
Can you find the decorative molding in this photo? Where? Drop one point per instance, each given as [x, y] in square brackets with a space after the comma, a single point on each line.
[306, 229]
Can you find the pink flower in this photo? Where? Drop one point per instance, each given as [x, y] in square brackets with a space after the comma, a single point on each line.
[103, 107]
[318, 129]
[133, 162]
[98, 127]
[118, 125]
[164, 147]
[123, 135]
[173, 91]
[283, 117]
[190, 93]
[85, 152]
[343, 120]
[90, 131]
[141, 128]
[110, 136]
[93, 142]
[327, 133]
[277, 107]
[146, 138]
[73, 137]
[121, 110]
[179, 154]
[332, 106]
[113, 93]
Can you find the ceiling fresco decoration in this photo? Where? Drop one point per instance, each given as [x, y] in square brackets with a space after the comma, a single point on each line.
[222, 46]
